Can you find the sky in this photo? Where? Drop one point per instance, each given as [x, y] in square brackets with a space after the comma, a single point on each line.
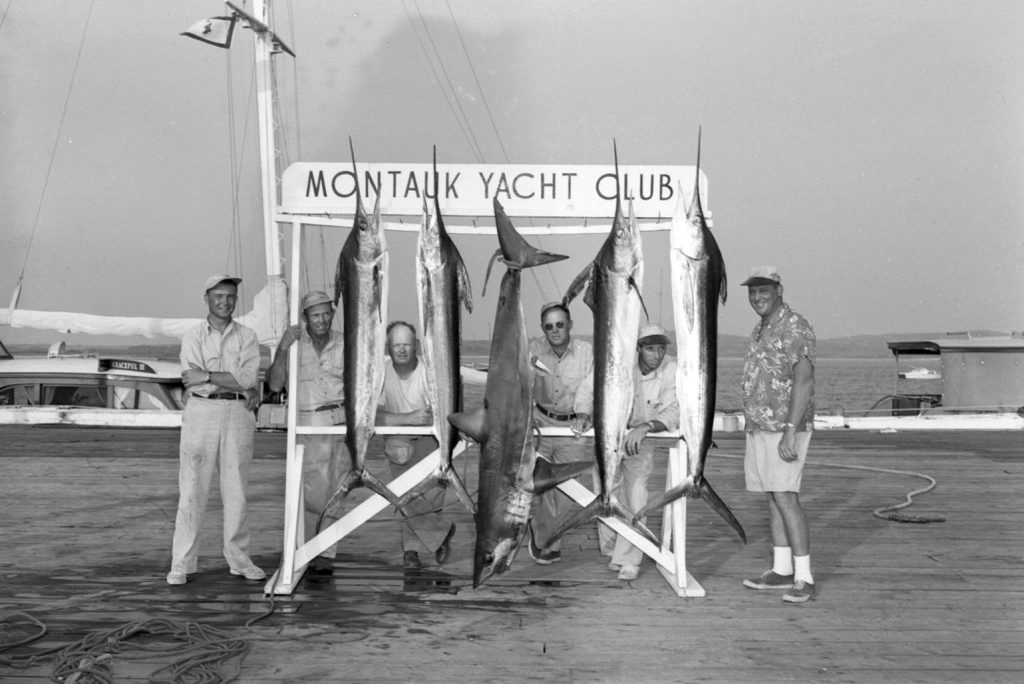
[872, 151]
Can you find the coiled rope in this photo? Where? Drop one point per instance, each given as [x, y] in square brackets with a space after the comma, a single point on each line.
[202, 653]
[886, 512]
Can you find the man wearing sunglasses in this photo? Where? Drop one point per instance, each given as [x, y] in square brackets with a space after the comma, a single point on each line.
[570, 361]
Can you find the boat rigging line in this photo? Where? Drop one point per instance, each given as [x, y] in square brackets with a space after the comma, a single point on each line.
[56, 144]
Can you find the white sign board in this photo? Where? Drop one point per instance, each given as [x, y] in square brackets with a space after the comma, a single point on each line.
[544, 190]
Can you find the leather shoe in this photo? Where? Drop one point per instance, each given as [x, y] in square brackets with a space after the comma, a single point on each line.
[321, 565]
[411, 560]
[445, 549]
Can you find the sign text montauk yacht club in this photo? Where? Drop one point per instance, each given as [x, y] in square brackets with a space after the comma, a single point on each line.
[548, 190]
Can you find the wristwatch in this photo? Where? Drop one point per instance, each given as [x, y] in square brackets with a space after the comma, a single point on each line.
[788, 425]
[650, 425]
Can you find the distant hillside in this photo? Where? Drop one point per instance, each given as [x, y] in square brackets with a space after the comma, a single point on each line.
[735, 346]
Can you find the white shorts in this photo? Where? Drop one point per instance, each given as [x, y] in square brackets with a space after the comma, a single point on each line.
[764, 468]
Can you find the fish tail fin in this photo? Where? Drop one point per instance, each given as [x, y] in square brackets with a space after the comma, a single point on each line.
[705, 492]
[344, 487]
[625, 515]
[548, 475]
[370, 481]
[516, 251]
[573, 520]
[679, 491]
[461, 493]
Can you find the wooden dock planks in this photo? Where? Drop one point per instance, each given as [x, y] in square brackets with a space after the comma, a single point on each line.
[88, 513]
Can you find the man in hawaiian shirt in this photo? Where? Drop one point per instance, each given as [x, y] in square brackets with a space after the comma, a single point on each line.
[778, 404]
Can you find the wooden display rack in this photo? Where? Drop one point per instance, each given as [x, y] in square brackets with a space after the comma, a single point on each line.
[296, 554]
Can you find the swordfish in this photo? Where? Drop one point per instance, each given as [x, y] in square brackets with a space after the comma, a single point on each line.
[443, 286]
[613, 282]
[698, 282]
[510, 473]
[361, 292]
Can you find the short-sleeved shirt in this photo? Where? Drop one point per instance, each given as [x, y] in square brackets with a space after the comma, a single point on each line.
[321, 376]
[776, 346]
[654, 396]
[556, 391]
[235, 351]
[404, 395]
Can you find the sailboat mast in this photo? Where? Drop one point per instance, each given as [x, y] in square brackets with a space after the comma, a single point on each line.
[268, 147]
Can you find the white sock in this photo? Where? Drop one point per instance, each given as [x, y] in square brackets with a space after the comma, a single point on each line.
[802, 569]
[783, 563]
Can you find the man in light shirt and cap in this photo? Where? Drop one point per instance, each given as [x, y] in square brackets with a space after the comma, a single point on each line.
[655, 409]
[320, 396]
[220, 359]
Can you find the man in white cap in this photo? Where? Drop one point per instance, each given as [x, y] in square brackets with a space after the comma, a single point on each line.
[778, 405]
[320, 397]
[655, 409]
[570, 361]
[220, 359]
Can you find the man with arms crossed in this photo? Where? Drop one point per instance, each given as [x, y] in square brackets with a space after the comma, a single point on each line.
[221, 359]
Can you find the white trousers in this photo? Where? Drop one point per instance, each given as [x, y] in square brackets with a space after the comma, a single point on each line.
[631, 490]
[215, 434]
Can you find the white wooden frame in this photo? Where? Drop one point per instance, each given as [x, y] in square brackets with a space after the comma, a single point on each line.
[296, 554]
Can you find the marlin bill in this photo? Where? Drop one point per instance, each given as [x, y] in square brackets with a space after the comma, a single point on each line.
[361, 292]
[613, 284]
[444, 288]
[510, 473]
[698, 283]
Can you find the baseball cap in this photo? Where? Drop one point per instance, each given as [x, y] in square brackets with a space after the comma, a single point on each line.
[215, 280]
[762, 275]
[652, 333]
[553, 305]
[313, 298]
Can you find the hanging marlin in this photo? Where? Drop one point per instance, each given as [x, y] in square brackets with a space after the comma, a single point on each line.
[698, 282]
[510, 473]
[361, 292]
[613, 281]
[443, 286]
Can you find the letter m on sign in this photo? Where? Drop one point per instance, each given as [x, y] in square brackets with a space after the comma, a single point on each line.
[316, 186]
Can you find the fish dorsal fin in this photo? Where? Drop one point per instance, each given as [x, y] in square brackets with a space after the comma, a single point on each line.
[643, 305]
[471, 423]
[464, 285]
[582, 280]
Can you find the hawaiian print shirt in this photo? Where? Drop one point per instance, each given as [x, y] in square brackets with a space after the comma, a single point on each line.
[776, 345]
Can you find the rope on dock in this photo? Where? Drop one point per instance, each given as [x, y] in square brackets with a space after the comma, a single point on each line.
[885, 512]
[203, 653]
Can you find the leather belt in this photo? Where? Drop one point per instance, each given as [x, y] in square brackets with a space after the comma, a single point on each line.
[564, 417]
[229, 396]
[330, 406]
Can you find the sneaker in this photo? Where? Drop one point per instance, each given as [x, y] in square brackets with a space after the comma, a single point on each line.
[614, 567]
[411, 560]
[539, 555]
[801, 592]
[321, 565]
[445, 549]
[250, 572]
[177, 576]
[629, 572]
[769, 580]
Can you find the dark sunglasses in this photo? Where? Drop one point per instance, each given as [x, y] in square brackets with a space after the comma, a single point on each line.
[552, 326]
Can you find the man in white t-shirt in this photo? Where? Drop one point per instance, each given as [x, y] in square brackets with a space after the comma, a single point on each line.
[405, 401]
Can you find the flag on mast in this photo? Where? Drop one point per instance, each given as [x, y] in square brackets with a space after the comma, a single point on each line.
[215, 30]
